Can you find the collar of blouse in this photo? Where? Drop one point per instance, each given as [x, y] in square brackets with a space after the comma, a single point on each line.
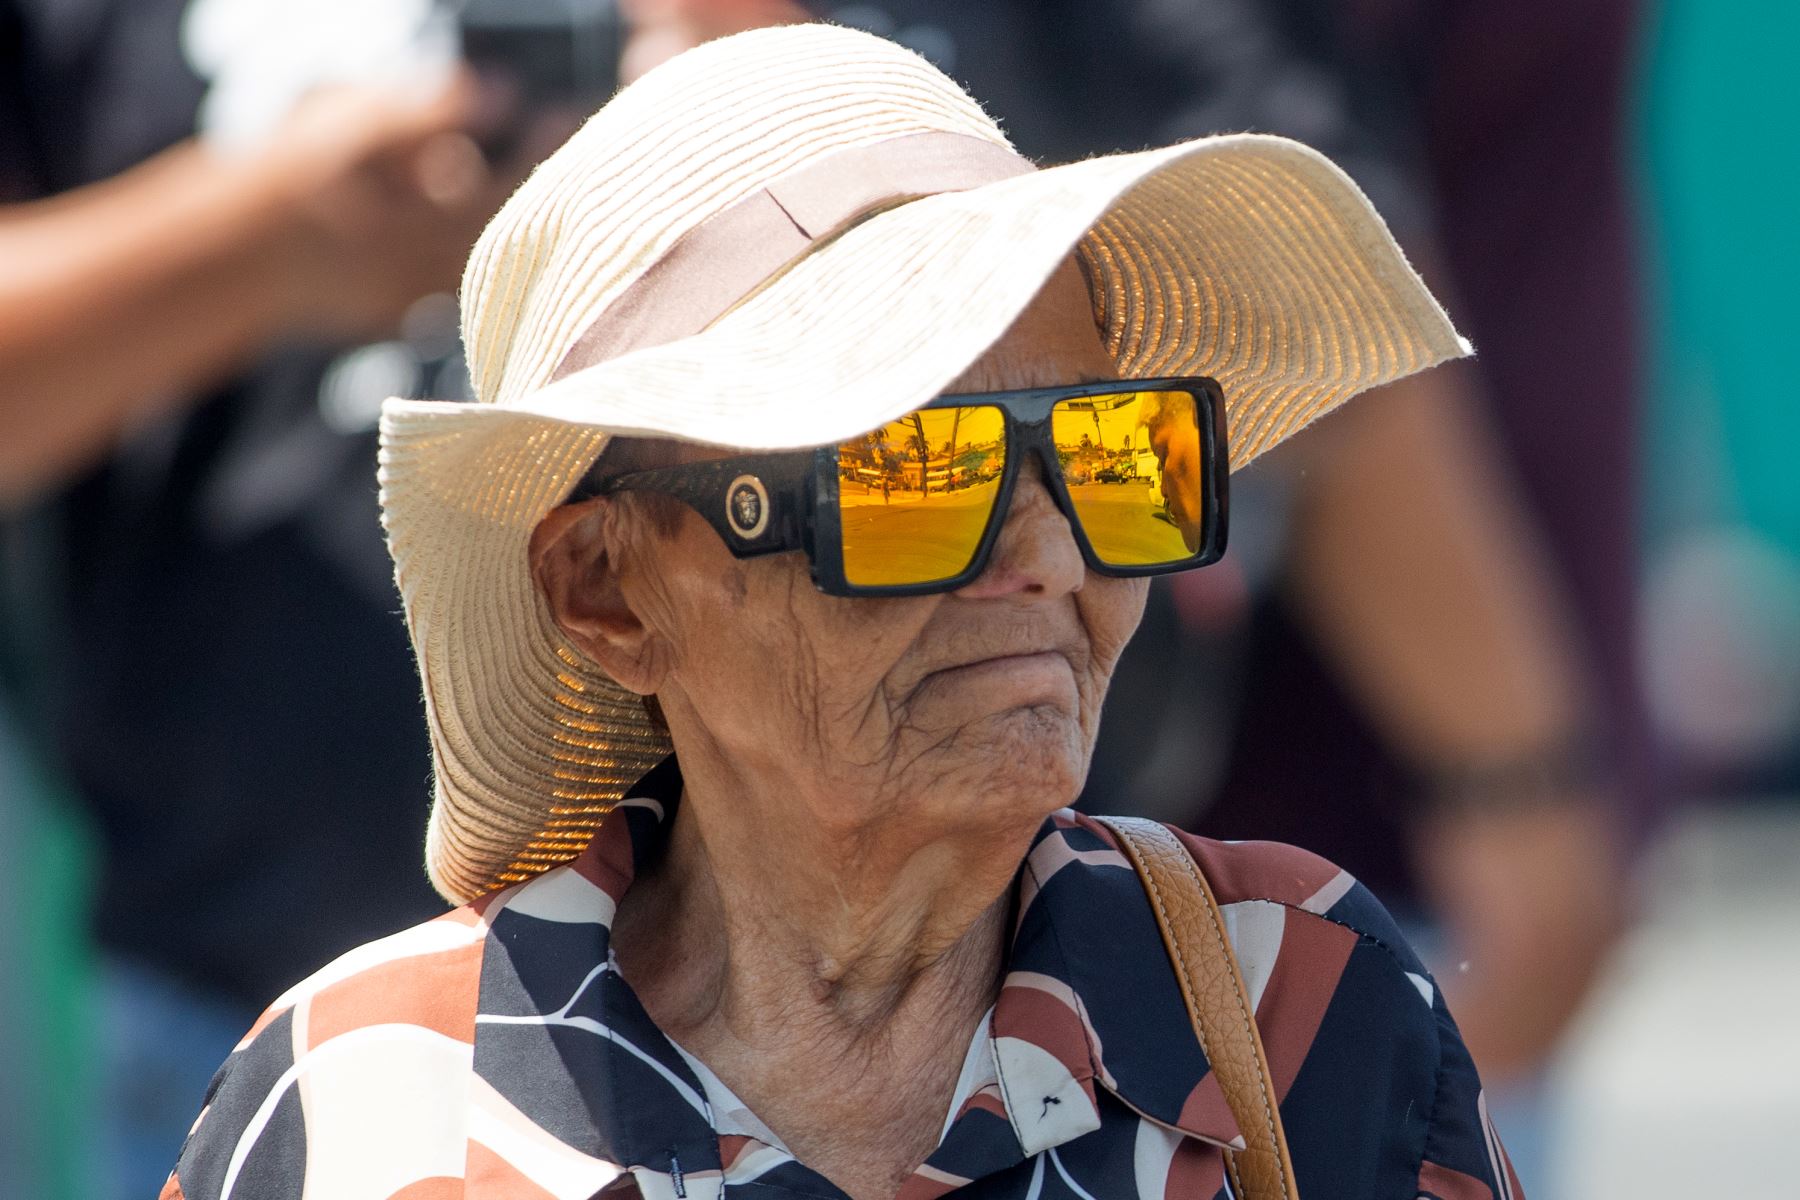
[609, 1082]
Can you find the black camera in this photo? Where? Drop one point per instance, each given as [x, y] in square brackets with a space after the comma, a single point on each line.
[551, 54]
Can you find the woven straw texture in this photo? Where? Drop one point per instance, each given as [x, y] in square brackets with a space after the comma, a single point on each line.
[1248, 258]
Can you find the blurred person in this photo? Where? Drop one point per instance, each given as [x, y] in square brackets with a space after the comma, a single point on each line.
[126, 294]
[186, 435]
[1519, 118]
[1169, 427]
[1715, 967]
[840, 936]
[1425, 583]
[1517, 123]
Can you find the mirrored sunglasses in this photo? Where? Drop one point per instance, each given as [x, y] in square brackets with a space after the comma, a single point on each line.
[916, 506]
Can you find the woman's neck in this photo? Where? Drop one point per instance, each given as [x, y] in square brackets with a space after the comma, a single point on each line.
[859, 961]
[758, 926]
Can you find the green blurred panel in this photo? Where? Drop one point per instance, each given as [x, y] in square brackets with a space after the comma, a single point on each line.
[47, 1143]
[1722, 130]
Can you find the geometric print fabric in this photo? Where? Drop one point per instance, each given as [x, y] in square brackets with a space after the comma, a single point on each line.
[497, 1054]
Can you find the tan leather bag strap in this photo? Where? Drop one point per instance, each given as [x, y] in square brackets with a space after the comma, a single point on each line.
[1193, 932]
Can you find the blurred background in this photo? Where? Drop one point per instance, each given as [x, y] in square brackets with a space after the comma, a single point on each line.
[1517, 642]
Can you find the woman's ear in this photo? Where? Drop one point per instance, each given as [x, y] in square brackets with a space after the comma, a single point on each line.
[575, 563]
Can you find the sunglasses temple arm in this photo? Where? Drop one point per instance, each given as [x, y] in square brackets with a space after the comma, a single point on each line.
[707, 487]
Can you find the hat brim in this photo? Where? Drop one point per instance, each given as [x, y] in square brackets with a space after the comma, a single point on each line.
[1249, 258]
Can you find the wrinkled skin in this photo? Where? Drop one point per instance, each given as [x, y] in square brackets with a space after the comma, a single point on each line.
[875, 712]
[863, 777]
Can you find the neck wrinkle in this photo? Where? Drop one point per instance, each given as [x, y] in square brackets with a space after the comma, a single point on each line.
[745, 927]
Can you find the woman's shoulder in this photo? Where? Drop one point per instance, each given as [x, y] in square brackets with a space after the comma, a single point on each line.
[426, 976]
[1311, 940]
[1275, 873]
[379, 1031]
[1385, 1018]
[1350, 1019]
[442, 1052]
[1296, 879]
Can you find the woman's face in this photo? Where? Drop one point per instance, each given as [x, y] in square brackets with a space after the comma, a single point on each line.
[956, 709]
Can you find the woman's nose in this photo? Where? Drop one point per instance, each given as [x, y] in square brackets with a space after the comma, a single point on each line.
[1036, 554]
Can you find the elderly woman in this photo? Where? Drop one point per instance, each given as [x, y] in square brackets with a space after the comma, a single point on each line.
[765, 608]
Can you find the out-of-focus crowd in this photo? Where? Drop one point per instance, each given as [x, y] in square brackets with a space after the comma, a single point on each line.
[1517, 642]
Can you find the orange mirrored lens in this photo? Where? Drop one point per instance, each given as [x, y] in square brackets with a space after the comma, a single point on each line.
[1133, 465]
[916, 494]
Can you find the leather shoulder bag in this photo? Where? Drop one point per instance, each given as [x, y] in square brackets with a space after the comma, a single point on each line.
[1193, 932]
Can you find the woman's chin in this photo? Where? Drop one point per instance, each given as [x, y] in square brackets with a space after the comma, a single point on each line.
[1030, 759]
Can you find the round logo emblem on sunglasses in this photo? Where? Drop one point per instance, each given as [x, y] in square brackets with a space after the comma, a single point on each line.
[747, 507]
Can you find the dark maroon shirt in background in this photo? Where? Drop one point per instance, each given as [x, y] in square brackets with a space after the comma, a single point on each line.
[1520, 116]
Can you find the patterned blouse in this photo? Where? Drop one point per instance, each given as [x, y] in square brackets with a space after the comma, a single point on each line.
[496, 1054]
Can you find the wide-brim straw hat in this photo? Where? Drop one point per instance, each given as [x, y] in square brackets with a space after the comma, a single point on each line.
[699, 262]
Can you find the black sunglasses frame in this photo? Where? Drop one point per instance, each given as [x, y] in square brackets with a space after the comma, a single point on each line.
[788, 500]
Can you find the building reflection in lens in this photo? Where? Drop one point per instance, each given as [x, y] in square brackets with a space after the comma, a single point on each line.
[916, 494]
[1131, 461]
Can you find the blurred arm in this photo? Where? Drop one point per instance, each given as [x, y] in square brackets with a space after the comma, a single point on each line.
[119, 298]
[1415, 564]
[1418, 572]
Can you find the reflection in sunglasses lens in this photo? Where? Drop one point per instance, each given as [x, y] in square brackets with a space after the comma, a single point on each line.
[916, 494]
[1132, 462]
